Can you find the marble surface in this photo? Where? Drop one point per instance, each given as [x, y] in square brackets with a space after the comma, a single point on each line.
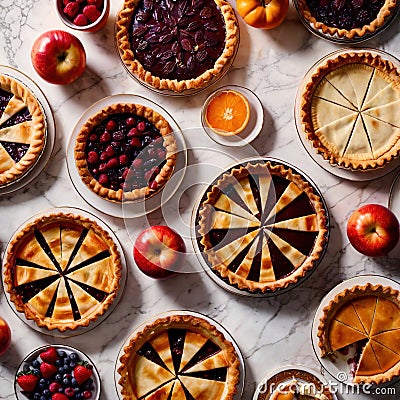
[270, 332]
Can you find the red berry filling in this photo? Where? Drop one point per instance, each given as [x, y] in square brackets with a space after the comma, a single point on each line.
[82, 12]
[125, 152]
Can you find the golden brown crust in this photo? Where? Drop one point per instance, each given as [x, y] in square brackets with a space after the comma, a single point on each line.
[377, 23]
[113, 282]
[37, 134]
[231, 43]
[169, 143]
[221, 267]
[178, 321]
[307, 115]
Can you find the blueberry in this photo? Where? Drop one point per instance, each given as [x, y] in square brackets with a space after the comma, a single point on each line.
[58, 378]
[62, 353]
[74, 382]
[36, 396]
[26, 368]
[43, 398]
[74, 357]
[35, 371]
[35, 363]
[72, 364]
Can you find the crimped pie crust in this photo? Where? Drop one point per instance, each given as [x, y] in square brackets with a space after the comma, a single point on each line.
[220, 266]
[386, 71]
[192, 323]
[169, 143]
[378, 22]
[70, 220]
[332, 308]
[37, 130]
[231, 43]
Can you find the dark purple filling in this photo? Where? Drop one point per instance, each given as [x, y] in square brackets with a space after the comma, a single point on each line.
[15, 150]
[178, 39]
[125, 152]
[345, 14]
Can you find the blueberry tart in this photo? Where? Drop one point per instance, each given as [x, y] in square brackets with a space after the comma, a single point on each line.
[22, 130]
[177, 45]
[125, 152]
[62, 271]
[179, 357]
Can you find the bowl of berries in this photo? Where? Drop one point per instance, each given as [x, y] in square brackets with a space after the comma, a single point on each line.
[57, 372]
[83, 15]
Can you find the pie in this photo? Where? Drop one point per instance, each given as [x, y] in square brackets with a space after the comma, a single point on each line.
[367, 317]
[179, 357]
[349, 110]
[177, 45]
[125, 152]
[347, 19]
[22, 130]
[62, 271]
[261, 226]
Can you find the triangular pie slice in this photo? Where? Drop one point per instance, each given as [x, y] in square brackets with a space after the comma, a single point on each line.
[358, 145]
[247, 262]
[193, 343]
[380, 92]
[244, 190]
[14, 105]
[30, 274]
[267, 273]
[347, 315]
[365, 309]
[6, 162]
[341, 335]
[20, 133]
[215, 361]
[368, 364]
[85, 302]
[162, 393]
[231, 221]
[264, 182]
[39, 304]
[52, 237]
[203, 389]
[225, 203]
[162, 346]
[387, 316]
[386, 113]
[389, 339]
[386, 357]
[307, 223]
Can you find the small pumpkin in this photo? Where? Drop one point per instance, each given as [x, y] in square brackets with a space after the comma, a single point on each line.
[264, 14]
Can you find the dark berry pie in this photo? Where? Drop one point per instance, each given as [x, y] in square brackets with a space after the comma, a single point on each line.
[125, 152]
[62, 271]
[180, 357]
[22, 130]
[177, 45]
[261, 226]
[349, 19]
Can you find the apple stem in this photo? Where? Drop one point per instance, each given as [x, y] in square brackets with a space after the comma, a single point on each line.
[62, 57]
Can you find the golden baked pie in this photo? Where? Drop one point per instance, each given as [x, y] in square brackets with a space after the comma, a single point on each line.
[367, 317]
[125, 152]
[261, 226]
[179, 357]
[62, 271]
[22, 130]
[349, 110]
[347, 19]
[177, 45]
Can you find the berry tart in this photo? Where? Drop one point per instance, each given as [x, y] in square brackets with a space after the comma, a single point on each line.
[62, 271]
[367, 317]
[179, 357]
[261, 226]
[177, 45]
[349, 110]
[347, 19]
[22, 130]
[125, 152]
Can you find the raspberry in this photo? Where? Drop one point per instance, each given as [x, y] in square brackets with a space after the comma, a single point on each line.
[54, 387]
[141, 126]
[133, 132]
[105, 137]
[92, 13]
[113, 163]
[97, 3]
[137, 163]
[123, 159]
[71, 9]
[135, 142]
[92, 157]
[110, 151]
[81, 20]
[111, 126]
[103, 179]
[130, 122]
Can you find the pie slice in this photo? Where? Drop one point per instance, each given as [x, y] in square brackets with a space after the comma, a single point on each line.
[376, 308]
[354, 123]
[205, 364]
[22, 130]
[287, 240]
[296, 390]
[62, 271]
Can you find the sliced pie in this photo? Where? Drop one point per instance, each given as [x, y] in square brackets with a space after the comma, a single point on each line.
[262, 226]
[349, 110]
[125, 152]
[369, 318]
[177, 45]
[62, 271]
[179, 357]
[22, 130]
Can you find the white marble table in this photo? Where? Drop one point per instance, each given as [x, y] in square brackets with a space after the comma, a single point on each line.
[270, 332]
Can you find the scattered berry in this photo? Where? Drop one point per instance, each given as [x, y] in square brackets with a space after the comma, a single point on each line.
[50, 355]
[27, 381]
[48, 370]
[82, 373]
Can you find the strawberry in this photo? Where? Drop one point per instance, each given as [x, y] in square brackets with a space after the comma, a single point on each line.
[59, 396]
[48, 370]
[50, 355]
[82, 372]
[27, 381]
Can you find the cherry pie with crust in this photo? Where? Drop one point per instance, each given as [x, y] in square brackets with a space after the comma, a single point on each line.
[62, 271]
[22, 130]
[179, 357]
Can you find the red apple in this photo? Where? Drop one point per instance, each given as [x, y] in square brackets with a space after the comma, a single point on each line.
[58, 57]
[373, 230]
[159, 251]
[5, 336]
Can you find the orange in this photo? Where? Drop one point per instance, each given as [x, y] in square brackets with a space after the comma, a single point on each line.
[227, 113]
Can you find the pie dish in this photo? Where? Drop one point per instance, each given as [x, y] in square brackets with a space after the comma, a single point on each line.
[348, 110]
[179, 357]
[346, 19]
[261, 226]
[367, 317]
[195, 41]
[62, 271]
[22, 130]
[125, 152]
